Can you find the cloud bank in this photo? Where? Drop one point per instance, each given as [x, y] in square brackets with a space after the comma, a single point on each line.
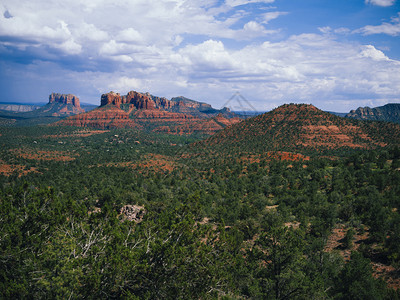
[203, 50]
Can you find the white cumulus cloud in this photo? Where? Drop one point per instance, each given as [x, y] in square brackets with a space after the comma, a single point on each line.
[208, 56]
[392, 28]
[370, 51]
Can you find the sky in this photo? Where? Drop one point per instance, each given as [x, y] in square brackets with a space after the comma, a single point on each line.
[337, 55]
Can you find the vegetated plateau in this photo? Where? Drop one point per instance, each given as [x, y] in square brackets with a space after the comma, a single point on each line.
[292, 204]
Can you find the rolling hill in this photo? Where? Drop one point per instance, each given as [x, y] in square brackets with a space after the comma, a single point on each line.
[303, 128]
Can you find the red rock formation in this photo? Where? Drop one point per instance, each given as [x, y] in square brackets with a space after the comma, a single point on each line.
[153, 113]
[145, 101]
[65, 99]
[62, 105]
[111, 98]
[140, 101]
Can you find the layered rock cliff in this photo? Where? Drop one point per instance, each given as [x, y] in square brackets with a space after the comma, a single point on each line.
[143, 110]
[138, 100]
[63, 105]
[146, 101]
[65, 99]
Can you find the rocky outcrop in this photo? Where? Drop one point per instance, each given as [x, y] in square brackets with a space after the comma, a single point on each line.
[65, 99]
[186, 103]
[111, 98]
[389, 112]
[143, 110]
[140, 101]
[146, 101]
[133, 213]
[63, 105]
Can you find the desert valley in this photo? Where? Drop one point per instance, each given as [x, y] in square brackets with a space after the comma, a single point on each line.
[145, 197]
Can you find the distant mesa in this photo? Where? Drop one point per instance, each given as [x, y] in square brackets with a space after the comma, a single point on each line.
[65, 99]
[64, 104]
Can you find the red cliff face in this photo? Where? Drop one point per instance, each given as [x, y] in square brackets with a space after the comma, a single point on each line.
[111, 98]
[146, 101]
[66, 104]
[142, 110]
[140, 101]
[65, 99]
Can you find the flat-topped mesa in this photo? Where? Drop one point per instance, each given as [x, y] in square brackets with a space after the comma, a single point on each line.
[65, 99]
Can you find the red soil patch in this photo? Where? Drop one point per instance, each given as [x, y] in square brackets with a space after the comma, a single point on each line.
[334, 243]
[157, 162]
[380, 270]
[280, 155]
[331, 136]
[251, 158]
[7, 169]
[44, 155]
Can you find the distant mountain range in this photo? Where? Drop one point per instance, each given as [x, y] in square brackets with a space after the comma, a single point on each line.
[302, 128]
[389, 112]
[179, 115]
[17, 107]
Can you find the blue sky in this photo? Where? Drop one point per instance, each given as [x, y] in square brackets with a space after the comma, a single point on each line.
[337, 55]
